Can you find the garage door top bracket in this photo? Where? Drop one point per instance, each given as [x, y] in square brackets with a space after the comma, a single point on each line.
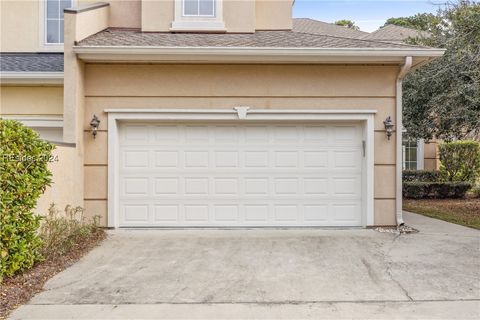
[242, 112]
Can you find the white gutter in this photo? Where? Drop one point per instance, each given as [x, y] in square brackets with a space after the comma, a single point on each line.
[249, 54]
[33, 78]
[398, 179]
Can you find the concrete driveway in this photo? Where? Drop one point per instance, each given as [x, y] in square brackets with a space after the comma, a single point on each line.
[302, 273]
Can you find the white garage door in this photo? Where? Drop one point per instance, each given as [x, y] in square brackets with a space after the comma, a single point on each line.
[240, 175]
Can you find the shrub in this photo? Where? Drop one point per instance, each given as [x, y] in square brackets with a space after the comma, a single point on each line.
[61, 232]
[460, 160]
[476, 191]
[421, 175]
[441, 190]
[24, 175]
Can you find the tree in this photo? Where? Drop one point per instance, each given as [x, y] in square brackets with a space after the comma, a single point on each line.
[420, 21]
[442, 98]
[347, 24]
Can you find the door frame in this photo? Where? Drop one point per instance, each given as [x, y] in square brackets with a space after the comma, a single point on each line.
[241, 114]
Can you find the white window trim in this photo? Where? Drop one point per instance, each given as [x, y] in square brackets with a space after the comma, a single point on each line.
[43, 46]
[120, 115]
[420, 154]
[198, 23]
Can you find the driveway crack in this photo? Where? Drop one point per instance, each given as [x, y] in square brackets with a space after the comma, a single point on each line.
[389, 271]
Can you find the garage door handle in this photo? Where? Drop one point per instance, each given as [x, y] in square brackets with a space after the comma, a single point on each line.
[364, 145]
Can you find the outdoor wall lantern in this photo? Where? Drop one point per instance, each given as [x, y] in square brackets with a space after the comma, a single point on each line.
[94, 124]
[388, 123]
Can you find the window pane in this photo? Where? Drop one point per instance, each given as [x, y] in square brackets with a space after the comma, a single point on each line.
[206, 7]
[191, 7]
[61, 31]
[52, 31]
[63, 5]
[52, 9]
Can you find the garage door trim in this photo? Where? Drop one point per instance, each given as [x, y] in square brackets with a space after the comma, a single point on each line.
[218, 115]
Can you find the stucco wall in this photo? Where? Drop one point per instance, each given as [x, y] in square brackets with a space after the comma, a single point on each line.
[227, 86]
[19, 25]
[273, 14]
[23, 17]
[31, 101]
[238, 15]
[67, 187]
[431, 160]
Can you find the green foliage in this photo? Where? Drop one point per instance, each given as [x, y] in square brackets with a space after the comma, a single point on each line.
[442, 98]
[61, 232]
[347, 23]
[439, 190]
[24, 175]
[476, 191]
[460, 160]
[421, 175]
[420, 21]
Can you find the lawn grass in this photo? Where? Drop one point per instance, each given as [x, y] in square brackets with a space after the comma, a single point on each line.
[465, 212]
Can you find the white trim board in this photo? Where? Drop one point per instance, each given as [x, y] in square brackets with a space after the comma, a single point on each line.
[38, 122]
[115, 116]
[251, 54]
[43, 78]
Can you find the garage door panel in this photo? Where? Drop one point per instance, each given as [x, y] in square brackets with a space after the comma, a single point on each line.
[240, 175]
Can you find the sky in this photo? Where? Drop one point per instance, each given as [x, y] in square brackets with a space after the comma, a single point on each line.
[369, 15]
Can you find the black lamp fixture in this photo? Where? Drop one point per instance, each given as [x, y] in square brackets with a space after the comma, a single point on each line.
[94, 124]
[388, 123]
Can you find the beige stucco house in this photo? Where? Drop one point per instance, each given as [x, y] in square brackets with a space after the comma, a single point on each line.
[213, 113]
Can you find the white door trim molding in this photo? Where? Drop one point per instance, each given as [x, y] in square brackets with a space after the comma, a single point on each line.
[119, 115]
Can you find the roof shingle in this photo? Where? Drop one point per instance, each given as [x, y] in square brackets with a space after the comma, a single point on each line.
[307, 25]
[31, 62]
[260, 39]
[395, 33]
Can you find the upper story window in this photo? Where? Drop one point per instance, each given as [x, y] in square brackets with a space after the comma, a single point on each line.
[54, 20]
[198, 15]
[199, 8]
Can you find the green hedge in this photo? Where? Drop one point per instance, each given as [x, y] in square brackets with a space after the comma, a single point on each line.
[440, 190]
[421, 175]
[24, 175]
[460, 160]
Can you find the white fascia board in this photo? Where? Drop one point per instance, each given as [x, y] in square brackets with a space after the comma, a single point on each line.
[250, 54]
[40, 78]
[38, 122]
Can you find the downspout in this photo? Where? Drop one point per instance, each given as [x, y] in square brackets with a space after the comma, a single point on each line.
[399, 167]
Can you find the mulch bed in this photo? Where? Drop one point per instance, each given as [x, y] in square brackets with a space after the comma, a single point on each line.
[465, 212]
[20, 288]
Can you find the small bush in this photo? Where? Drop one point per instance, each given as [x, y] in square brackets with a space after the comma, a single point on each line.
[60, 232]
[476, 191]
[440, 190]
[460, 160]
[421, 175]
[24, 175]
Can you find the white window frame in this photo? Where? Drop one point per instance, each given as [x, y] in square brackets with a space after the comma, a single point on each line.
[366, 117]
[184, 22]
[420, 155]
[42, 40]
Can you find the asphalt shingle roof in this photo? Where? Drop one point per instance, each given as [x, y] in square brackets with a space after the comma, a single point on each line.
[260, 39]
[307, 25]
[31, 62]
[395, 33]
